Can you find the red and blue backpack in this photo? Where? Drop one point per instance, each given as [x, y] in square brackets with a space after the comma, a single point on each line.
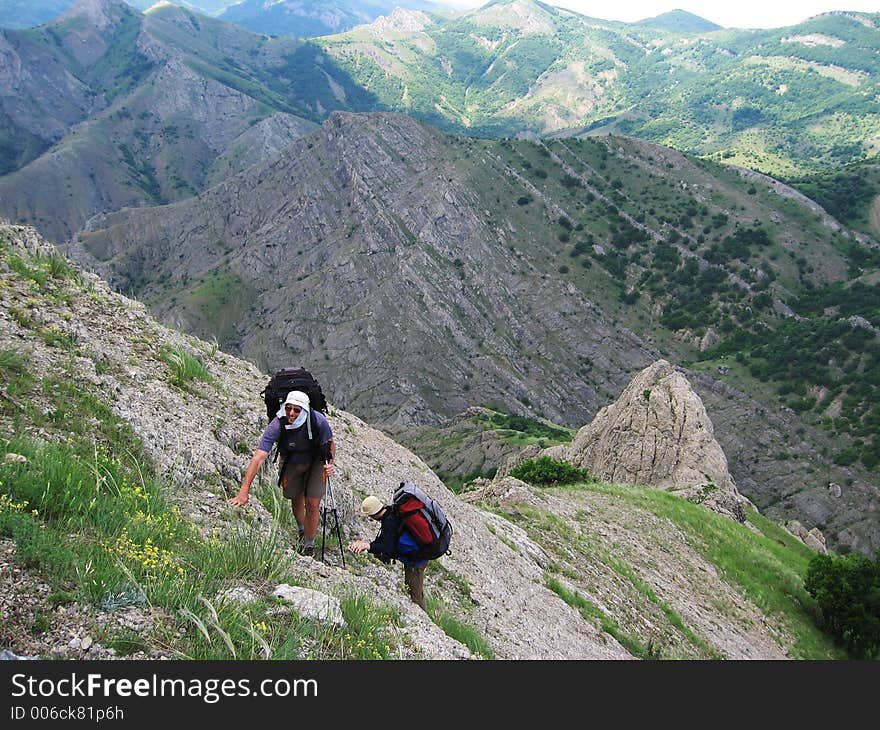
[424, 518]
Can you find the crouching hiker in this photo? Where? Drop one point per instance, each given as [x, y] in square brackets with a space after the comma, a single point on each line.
[414, 529]
[394, 541]
[306, 447]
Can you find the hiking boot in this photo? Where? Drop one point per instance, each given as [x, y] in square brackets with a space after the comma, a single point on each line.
[309, 550]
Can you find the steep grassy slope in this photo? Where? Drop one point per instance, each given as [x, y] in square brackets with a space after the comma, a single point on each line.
[587, 537]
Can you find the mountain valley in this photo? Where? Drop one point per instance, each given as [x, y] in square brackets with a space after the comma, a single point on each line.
[446, 282]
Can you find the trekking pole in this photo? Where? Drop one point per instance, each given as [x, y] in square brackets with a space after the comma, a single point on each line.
[335, 522]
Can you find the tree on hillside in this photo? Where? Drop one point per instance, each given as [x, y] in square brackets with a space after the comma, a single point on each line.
[847, 591]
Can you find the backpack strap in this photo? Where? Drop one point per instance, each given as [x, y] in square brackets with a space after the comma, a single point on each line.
[317, 454]
[315, 436]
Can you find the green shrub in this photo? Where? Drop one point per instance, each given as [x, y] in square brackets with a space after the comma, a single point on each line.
[35, 547]
[26, 271]
[528, 427]
[368, 628]
[59, 267]
[125, 642]
[12, 363]
[545, 470]
[847, 591]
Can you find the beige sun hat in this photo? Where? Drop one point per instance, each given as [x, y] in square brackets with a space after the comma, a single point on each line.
[371, 506]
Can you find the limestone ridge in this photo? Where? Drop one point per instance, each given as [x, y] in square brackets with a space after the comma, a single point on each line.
[658, 434]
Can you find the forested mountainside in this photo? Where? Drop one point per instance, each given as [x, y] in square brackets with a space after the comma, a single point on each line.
[783, 101]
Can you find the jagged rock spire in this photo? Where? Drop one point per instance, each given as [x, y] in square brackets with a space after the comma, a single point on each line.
[658, 434]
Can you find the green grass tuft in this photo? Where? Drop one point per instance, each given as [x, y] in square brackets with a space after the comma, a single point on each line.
[185, 368]
[458, 630]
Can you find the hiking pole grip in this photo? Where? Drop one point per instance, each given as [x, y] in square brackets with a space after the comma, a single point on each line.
[330, 487]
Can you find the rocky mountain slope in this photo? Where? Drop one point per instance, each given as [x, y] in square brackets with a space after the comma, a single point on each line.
[67, 340]
[105, 108]
[423, 275]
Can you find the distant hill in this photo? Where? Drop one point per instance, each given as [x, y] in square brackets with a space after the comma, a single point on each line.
[788, 102]
[31, 13]
[784, 101]
[309, 18]
[680, 21]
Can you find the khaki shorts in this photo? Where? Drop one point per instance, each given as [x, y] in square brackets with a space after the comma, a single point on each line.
[303, 478]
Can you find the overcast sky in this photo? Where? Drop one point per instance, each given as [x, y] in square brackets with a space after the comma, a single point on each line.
[729, 13]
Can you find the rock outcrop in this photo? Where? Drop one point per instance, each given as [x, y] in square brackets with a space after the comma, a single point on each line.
[811, 538]
[658, 434]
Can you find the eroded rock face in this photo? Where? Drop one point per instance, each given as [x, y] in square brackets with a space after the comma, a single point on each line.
[812, 538]
[658, 434]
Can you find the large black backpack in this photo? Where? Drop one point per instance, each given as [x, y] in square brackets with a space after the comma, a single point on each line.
[287, 379]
